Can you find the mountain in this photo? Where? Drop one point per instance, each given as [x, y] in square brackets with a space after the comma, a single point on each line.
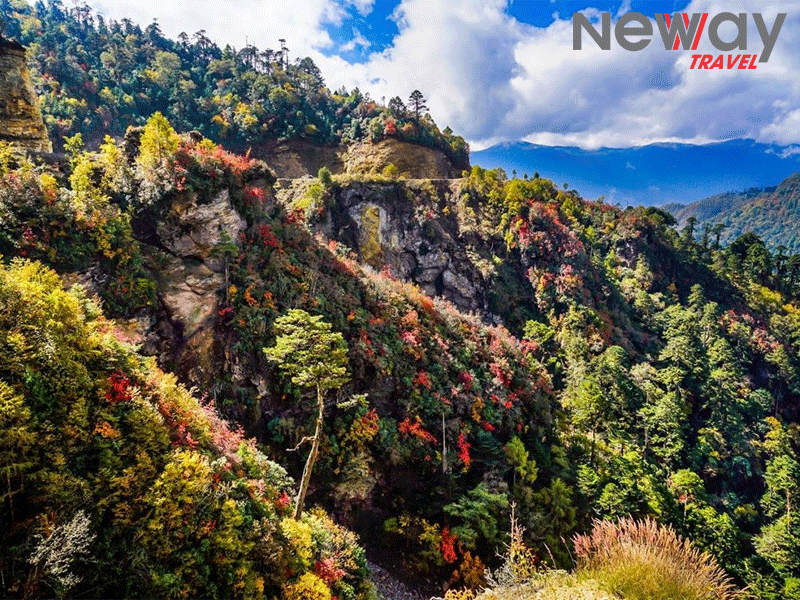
[505, 342]
[773, 214]
[650, 175]
[512, 366]
[97, 77]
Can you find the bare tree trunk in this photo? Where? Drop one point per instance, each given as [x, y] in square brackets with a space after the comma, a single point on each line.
[312, 457]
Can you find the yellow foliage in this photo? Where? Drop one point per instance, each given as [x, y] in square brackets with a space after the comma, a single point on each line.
[299, 535]
[159, 141]
[307, 587]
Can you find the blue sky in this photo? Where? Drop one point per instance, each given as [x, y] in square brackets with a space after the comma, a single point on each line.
[503, 70]
[379, 27]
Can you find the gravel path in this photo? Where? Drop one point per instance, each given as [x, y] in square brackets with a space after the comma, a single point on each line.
[389, 588]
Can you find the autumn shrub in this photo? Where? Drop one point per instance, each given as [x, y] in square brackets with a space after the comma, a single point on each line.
[643, 560]
[118, 483]
[522, 576]
[307, 587]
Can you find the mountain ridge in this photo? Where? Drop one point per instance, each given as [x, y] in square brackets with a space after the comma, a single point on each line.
[772, 214]
[655, 174]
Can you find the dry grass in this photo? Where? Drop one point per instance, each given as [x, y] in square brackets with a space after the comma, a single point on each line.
[521, 579]
[642, 560]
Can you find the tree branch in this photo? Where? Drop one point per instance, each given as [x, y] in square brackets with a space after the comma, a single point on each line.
[308, 438]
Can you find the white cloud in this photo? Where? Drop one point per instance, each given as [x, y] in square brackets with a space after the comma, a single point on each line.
[492, 78]
[358, 41]
[364, 7]
[233, 21]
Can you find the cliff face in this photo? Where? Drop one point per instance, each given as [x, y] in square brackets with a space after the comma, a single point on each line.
[412, 229]
[411, 160]
[295, 159]
[20, 118]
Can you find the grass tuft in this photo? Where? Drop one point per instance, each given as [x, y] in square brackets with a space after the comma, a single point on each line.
[642, 560]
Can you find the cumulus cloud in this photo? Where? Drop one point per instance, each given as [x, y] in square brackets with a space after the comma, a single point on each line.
[358, 41]
[493, 78]
[234, 21]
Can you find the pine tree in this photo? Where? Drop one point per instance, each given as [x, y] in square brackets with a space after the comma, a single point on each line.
[314, 357]
[417, 103]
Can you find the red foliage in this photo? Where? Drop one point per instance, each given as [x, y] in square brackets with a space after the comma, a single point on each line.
[423, 379]
[327, 570]
[466, 378]
[255, 194]
[463, 451]
[184, 437]
[119, 391]
[283, 502]
[28, 235]
[268, 237]
[370, 423]
[448, 546]
[390, 128]
[500, 374]
[487, 426]
[415, 429]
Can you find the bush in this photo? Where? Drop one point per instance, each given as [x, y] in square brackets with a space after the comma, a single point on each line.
[308, 587]
[325, 177]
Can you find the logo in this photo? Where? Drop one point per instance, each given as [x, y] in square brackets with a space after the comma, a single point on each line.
[634, 32]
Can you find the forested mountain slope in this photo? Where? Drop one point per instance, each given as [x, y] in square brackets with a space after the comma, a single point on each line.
[96, 77]
[631, 372]
[507, 344]
[772, 214]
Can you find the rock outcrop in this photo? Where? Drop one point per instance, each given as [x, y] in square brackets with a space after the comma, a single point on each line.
[412, 160]
[410, 228]
[191, 279]
[295, 159]
[20, 118]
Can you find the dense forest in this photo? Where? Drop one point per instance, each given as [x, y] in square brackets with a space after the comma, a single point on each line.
[96, 78]
[769, 213]
[647, 375]
[620, 379]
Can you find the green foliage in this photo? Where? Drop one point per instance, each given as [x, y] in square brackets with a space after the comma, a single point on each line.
[97, 77]
[325, 177]
[117, 482]
[309, 351]
[766, 213]
[519, 459]
[478, 512]
[636, 372]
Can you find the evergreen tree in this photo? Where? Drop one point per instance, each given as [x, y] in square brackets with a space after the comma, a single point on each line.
[314, 357]
[417, 103]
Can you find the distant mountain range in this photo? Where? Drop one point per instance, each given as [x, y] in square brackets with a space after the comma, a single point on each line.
[773, 214]
[658, 174]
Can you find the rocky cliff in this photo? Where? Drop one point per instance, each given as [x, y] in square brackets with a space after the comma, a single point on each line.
[414, 230]
[294, 159]
[20, 119]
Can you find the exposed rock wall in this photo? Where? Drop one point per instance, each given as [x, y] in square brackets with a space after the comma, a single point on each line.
[295, 159]
[191, 279]
[411, 160]
[410, 228]
[20, 118]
